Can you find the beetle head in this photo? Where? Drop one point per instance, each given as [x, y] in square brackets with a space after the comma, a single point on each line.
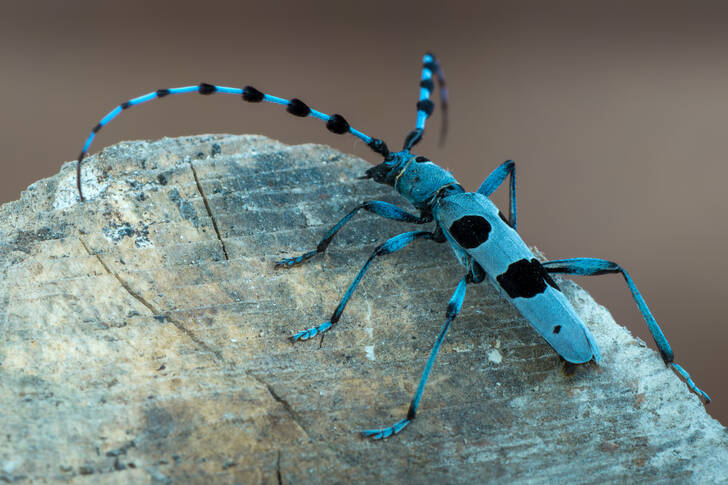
[388, 171]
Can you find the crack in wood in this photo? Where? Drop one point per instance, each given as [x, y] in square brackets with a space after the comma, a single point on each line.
[351, 461]
[286, 405]
[209, 211]
[155, 312]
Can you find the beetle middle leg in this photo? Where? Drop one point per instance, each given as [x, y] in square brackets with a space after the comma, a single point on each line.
[495, 179]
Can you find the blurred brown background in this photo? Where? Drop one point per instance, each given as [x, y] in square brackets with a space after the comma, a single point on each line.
[616, 113]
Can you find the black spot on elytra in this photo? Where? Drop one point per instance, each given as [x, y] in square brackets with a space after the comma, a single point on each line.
[470, 231]
[525, 279]
[557, 329]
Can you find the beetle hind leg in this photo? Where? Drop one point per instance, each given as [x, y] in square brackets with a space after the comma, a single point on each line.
[593, 266]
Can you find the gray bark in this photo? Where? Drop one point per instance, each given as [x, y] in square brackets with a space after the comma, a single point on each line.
[144, 339]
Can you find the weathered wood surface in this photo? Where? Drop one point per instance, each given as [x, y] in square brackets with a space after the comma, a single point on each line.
[139, 346]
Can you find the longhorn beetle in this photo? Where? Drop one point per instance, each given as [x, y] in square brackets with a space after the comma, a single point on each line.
[483, 239]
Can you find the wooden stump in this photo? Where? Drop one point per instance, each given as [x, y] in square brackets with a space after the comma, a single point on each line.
[144, 339]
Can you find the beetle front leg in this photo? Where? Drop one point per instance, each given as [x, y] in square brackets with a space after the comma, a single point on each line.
[384, 209]
[390, 246]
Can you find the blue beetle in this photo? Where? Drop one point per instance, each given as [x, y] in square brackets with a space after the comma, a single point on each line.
[484, 240]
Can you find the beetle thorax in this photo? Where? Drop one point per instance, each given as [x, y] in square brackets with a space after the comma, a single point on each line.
[421, 180]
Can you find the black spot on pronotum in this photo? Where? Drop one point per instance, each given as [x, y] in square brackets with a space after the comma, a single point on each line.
[298, 108]
[162, 92]
[205, 88]
[252, 95]
[337, 124]
[422, 159]
[525, 279]
[427, 84]
[470, 231]
[425, 105]
[557, 329]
